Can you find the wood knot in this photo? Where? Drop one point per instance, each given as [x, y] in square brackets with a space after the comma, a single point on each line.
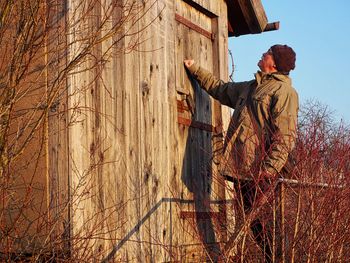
[144, 88]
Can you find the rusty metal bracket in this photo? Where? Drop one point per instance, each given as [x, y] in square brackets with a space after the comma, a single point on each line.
[181, 107]
[195, 27]
[199, 125]
[185, 96]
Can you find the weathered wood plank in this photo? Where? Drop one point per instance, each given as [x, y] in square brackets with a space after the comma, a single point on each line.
[148, 131]
[58, 170]
[112, 170]
[254, 14]
[85, 139]
[133, 141]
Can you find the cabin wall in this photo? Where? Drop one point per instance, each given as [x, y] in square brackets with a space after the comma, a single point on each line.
[27, 53]
[140, 174]
[24, 193]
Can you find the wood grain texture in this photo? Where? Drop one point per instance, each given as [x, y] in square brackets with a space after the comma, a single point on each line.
[143, 167]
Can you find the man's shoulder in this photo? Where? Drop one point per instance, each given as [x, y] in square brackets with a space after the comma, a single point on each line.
[286, 90]
[287, 87]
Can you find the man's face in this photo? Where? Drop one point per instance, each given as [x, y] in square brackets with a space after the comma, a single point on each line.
[267, 63]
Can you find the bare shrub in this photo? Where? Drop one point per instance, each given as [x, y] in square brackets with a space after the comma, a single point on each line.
[43, 45]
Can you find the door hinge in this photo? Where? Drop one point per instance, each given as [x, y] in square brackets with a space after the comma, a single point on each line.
[199, 125]
[195, 27]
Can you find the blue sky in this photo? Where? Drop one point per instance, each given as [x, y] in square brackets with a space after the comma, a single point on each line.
[319, 32]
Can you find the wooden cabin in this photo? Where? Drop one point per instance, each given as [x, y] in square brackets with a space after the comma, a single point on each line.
[127, 173]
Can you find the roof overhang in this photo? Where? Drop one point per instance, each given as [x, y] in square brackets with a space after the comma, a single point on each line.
[247, 17]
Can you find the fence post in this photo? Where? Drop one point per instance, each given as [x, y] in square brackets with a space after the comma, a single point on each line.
[282, 204]
[279, 225]
[274, 214]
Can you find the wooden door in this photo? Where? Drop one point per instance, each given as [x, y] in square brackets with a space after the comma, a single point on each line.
[196, 29]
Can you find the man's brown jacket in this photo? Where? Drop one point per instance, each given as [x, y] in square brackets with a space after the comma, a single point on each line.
[262, 131]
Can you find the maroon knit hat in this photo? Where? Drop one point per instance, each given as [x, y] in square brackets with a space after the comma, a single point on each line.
[284, 58]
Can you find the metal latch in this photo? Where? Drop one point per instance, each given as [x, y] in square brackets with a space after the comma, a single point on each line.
[186, 96]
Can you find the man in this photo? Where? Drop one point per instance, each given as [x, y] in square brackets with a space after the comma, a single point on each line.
[262, 131]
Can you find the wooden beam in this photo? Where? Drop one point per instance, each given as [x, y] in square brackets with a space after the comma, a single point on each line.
[193, 26]
[200, 8]
[248, 17]
[254, 14]
[272, 26]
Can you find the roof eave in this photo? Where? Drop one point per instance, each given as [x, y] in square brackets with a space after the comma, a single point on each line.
[248, 17]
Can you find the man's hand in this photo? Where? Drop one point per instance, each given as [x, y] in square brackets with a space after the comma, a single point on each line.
[188, 62]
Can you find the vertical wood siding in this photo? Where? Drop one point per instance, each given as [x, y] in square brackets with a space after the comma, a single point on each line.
[133, 168]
